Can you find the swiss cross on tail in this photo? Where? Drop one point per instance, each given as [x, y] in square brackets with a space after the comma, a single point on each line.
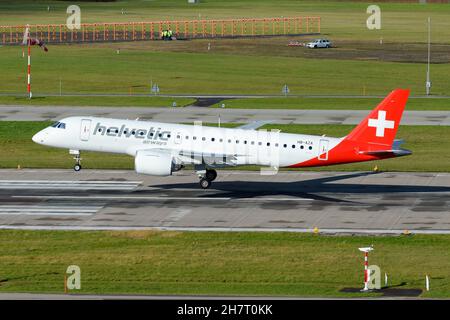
[380, 126]
[381, 123]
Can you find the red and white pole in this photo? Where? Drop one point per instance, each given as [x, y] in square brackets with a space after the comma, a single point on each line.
[366, 271]
[29, 69]
[366, 267]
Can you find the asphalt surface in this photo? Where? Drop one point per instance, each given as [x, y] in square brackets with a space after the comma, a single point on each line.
[334, 202]
[191, 114]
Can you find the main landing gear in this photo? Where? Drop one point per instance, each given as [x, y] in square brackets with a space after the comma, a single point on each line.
[77, 158]
[206, 177]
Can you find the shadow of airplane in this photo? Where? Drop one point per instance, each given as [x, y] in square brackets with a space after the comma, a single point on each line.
[310, 189]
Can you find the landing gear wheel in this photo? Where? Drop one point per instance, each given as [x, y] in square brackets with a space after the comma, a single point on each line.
[211, 175]
[77, 167]
[204, 183]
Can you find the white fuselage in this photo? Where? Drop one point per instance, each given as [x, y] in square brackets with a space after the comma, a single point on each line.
[188, 143]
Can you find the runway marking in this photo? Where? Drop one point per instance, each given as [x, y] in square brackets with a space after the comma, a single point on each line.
[38, 210]
[164, 198]
[69, 185]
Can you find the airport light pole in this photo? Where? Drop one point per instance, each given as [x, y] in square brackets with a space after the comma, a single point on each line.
[428, 83]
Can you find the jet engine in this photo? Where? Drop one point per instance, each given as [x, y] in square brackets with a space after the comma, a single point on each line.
[155, 163]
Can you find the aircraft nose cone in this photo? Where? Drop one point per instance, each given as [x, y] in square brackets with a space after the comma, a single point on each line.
[38, 137]
[35, 138]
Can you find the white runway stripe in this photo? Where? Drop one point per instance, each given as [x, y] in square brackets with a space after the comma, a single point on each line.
[39, 210]
[69, 185]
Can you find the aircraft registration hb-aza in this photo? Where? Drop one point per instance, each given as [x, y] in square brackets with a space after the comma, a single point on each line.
[161, 148]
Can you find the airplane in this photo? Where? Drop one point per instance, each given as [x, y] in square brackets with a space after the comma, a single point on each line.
[160, 149]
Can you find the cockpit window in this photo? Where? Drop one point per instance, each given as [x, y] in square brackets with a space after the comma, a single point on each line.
[59, 125]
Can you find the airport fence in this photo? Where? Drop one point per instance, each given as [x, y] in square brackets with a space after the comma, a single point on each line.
[189, 29]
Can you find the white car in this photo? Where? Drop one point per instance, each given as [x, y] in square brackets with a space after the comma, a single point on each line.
[319, 43]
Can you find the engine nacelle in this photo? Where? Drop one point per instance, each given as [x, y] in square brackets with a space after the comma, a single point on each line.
[154, 163]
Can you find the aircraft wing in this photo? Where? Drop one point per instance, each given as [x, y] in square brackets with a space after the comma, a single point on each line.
[254, 125]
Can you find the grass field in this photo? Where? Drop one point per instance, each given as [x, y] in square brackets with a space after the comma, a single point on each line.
[240, 66]
[117, 101]
[102, 70]
[428, 143]
[217, 263]
[330, 103]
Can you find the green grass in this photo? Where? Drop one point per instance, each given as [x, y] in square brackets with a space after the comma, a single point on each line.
[118, 101]
[149, 262]
[102, 70]
[430, 146]
[245, 66]
[330, 103]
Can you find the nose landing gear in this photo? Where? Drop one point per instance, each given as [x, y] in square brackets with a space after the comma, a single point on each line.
[77, 158]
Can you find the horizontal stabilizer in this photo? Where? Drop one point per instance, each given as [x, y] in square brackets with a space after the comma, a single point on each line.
[390, 153]
[395, 150]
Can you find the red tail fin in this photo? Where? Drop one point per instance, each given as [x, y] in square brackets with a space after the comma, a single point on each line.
[380, 126]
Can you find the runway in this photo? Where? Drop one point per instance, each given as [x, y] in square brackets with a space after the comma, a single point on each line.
[333, 202]
[191, 114]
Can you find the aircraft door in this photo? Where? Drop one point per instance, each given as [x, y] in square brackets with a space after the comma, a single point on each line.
[85, 129]
[323, 149]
